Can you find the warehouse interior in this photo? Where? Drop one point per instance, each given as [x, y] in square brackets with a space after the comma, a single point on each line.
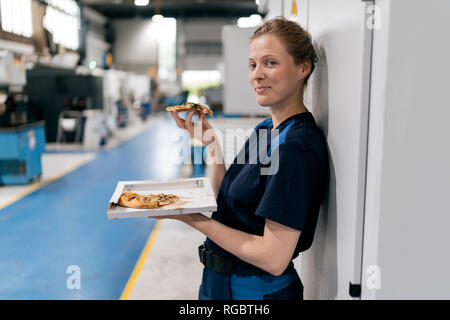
[83, 89]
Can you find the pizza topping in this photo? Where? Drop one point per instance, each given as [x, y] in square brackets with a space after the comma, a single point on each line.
[134, 200]
[189, 106]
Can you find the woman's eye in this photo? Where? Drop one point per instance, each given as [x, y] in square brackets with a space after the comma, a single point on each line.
[271, 63]
[251, 66]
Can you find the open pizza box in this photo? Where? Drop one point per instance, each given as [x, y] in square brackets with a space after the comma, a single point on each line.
[196, 196]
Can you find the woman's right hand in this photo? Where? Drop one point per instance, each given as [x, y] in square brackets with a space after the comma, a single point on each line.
[201, 130]
[204, 132]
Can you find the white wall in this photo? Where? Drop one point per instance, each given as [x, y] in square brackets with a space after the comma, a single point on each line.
[284, 8]
[238, 96]
[402, 201]
[302, 12]
[339, 95]
[407, 210]
[274, 8]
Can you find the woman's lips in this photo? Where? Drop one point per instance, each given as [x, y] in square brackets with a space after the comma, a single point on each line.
[261, 89]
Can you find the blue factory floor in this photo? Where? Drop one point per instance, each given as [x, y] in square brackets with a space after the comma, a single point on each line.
[56, 240]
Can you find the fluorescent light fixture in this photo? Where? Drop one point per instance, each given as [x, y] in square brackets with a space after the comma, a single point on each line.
[141, 3]
[157, 17]
[16, 17]
[248, 22]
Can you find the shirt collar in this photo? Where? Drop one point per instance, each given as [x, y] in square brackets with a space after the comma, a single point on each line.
[297, 116]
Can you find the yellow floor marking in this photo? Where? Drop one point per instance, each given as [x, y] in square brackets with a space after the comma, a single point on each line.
[137, 269]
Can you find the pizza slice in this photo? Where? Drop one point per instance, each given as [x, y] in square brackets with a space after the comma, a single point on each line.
[151, 201]
[191, 106]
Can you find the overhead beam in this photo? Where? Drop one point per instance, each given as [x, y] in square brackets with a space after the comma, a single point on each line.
[176, 9]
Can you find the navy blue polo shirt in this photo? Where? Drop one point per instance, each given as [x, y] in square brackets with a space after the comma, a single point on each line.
[285, 181]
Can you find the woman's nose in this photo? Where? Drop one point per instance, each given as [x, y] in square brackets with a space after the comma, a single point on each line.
[258, 72]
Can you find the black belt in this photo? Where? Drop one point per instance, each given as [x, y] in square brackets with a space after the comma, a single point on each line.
[224, 264]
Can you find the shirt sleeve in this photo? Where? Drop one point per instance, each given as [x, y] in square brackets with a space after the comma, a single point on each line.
[292, 189]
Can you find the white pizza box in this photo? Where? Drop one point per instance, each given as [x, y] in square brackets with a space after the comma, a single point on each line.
[196, 195]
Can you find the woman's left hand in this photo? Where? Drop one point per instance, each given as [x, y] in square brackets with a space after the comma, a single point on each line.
[189, 218]
[180, 217]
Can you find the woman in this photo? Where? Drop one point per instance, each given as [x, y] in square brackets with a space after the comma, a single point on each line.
[263, 221]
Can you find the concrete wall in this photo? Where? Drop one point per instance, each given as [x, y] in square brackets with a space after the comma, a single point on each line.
[135, 47]
[200, 43]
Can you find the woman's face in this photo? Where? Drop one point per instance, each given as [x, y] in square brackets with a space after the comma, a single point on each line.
[275, 78]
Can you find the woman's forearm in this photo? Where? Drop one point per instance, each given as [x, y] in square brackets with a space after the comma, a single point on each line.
[247, 247]
[216, 166]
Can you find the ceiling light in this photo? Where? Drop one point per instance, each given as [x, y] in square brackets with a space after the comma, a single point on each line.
[141, 3]
[248, 22]
[157, 17]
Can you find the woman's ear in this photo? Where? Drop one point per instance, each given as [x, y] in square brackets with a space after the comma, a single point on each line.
[304, 69]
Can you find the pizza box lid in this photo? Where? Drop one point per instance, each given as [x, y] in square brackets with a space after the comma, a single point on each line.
[196, 195]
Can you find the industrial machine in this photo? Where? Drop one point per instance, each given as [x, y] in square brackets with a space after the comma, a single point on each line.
[21, 148]
[52, 91]
[22, 139]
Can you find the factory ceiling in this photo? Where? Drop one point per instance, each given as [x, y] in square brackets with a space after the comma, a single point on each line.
[116, 9]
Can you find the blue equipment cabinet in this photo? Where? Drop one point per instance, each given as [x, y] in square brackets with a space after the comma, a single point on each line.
[21, 148]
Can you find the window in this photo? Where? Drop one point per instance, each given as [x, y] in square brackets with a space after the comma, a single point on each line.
[196, 80]
[62, 20]
[16, 17]
[165, 30]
